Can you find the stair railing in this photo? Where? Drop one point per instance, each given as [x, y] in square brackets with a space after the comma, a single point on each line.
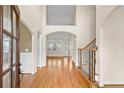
[87, 60]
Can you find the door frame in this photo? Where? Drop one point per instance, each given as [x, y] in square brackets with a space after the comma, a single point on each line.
[1, 44]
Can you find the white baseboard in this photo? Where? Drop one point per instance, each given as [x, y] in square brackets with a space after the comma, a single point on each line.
[111, 83]
[114, 82]
[101, 85]
[33, 73]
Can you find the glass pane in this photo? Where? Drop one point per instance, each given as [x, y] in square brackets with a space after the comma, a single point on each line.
[14, 51]
[7, 18]
[14, 24]
[7, 80]
[60, 15]
[14, 77]
[6, 52]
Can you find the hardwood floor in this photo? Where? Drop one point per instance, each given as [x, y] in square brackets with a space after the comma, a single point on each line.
[58, 74]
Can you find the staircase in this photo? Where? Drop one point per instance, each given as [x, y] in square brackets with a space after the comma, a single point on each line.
[87, 61]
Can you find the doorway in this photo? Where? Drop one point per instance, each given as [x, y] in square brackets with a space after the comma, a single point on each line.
[61, 45]
[25, 48]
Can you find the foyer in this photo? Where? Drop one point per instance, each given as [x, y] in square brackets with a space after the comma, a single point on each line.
[61, 46]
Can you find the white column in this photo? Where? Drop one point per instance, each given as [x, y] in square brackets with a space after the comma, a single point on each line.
[101, 74]
[76, 54]
[33, 56]
[40, 52]
[44, 50]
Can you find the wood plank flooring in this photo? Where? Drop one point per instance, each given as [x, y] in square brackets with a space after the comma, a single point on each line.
[57, 74]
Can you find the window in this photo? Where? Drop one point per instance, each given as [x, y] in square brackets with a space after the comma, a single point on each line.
[61, 14]
[6, 52]
[7, 18]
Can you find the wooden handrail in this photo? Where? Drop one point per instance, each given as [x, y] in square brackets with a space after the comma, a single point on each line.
[87, 44]
[92, 60]
[93, 49]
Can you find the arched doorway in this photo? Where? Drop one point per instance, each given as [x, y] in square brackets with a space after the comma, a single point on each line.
[60, 45]
[25, 48]
[36, 41]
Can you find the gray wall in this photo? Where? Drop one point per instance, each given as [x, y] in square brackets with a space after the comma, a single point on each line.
[25, 38]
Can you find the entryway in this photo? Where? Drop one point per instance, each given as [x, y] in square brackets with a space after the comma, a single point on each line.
[61, 45]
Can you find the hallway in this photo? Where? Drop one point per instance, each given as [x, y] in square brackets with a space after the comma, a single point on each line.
[59, 73]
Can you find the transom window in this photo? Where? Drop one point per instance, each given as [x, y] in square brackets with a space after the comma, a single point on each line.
[61, 14]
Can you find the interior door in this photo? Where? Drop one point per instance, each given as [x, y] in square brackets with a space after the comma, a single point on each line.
[9, 54]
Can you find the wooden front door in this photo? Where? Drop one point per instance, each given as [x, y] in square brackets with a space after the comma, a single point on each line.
[9, 46]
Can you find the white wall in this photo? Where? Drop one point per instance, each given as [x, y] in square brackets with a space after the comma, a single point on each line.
[25, 59]
[84, 28]
[86, 22]
[113, 47]
[31, 15]
[102, 13]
